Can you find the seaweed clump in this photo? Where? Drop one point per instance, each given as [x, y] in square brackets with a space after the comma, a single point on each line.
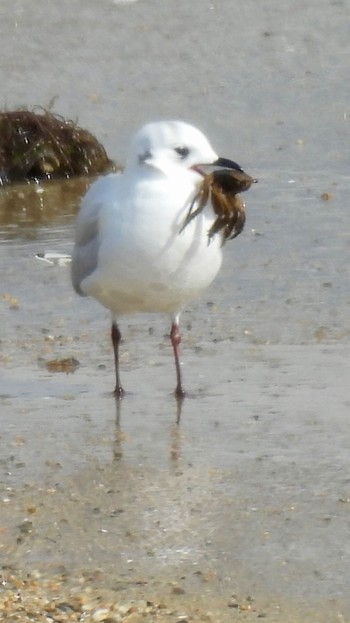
[41, 145]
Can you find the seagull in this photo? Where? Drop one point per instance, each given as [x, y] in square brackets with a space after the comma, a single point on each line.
[132, 252]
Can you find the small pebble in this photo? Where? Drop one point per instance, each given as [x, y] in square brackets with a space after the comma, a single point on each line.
[100, 615]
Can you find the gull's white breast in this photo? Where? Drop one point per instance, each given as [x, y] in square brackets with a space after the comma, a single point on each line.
[143, 262]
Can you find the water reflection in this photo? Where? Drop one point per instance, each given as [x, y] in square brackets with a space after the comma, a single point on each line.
[25, 208]
[175, 433]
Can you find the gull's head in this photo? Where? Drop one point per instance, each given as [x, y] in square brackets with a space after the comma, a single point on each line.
[167, 145]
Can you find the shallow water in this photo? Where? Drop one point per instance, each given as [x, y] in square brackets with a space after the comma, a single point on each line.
[246, 476]
[249, 485]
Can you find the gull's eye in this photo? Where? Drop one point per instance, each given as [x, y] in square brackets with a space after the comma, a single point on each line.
[182, 151]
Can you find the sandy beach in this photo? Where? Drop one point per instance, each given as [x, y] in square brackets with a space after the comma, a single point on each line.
[238, 507]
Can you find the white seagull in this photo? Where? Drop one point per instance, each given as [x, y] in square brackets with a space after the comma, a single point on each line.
[132, 252]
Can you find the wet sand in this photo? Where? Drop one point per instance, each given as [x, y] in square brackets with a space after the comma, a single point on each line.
[237, 508]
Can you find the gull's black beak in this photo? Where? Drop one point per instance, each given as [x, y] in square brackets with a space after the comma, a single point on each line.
[227, 164]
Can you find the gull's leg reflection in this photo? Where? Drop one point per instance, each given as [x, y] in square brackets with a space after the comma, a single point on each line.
[179, 405]
[175, 444]
[118, 436]
[176, 434]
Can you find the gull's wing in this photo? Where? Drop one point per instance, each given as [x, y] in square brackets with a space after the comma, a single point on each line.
[86, 247]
